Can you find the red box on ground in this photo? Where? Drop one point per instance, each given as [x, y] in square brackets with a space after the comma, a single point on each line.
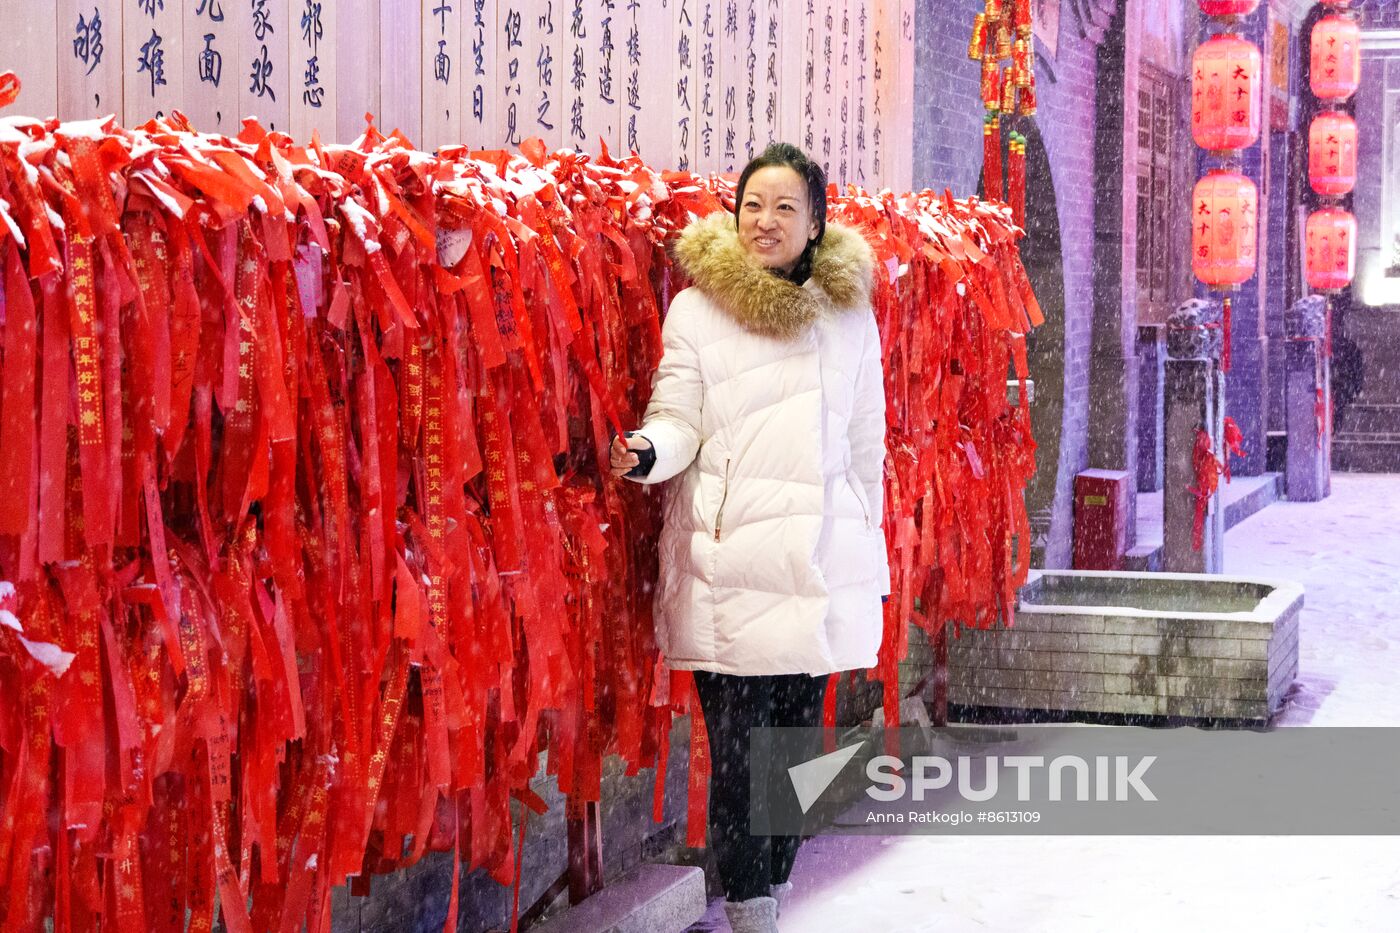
[1100, 519]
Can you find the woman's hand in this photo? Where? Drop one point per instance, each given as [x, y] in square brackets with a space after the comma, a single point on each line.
[621, 459]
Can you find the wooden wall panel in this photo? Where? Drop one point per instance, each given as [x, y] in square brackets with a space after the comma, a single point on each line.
[655, 82]
[28, 38]
[357, 77]
[153, 44]
[902, 137]
[444, 67]
[400, 70]
[861, 92]
[728, 71]
[261, 65]
[825, 148]
[884, 84]
[210, 67]
[480, 95]
[89, 60]
[603, 52]
[313, 28]
[684, 53]
[702, 85]
[771, 100]
[709, 89]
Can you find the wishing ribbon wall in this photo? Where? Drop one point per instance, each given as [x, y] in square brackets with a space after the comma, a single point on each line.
[310, 549]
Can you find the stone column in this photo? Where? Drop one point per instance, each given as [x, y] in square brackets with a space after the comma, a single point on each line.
[1152, 354]
[1308, 401]
[1193, 397]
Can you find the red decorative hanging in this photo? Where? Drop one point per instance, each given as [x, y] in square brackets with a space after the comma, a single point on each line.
[1226, 112]
[1224, 225]
[1336, 57]
[1228, 7]
[1331, 249]
[1332, 154]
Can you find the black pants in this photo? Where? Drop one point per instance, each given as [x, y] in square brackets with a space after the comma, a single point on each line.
[733, 705]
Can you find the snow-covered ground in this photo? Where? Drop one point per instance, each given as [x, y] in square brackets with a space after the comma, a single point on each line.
[1346, 552]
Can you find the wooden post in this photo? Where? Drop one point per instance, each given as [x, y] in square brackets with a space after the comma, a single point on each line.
[585, 832]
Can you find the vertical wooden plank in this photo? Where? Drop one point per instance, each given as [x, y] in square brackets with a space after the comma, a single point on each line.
[748, 88]
[859, 116]
[479, 88]
[709, 93]
[210, 65]
[261, 66]
[512, 67]
[771, 99]
[357, 78]
[632, 79]
[604, 52]
[89, 61]
[656, 83]
[792, 40]
[731, 83]
[400, 68]
[152, 46]
[901, 139]
[545, 54]
[685, 132]
[828, 85]
[312, 32]
[29, 35]
[841, 129]
[443, 71]
[573, 64]
[884, 24]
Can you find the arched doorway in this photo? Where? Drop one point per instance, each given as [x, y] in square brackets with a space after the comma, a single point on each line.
[1043, 258]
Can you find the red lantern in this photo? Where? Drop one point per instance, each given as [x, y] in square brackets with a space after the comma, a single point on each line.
[1224, 229]
[1229, 7]
[1226, 93]
[1336, 57]
[1332, 154]
[1331, 246]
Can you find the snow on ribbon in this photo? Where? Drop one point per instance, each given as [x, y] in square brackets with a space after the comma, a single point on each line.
[318, 525]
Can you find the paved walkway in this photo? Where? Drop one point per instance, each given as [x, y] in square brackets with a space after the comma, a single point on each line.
[1346, 553]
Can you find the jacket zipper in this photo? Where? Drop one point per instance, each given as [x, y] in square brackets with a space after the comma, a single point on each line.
[719, 516]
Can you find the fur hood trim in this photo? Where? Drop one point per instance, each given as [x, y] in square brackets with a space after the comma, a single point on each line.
[710, 254]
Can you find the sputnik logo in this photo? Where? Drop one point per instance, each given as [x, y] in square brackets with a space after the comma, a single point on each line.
[811, 778]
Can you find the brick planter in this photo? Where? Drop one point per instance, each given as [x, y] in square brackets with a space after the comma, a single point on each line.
[1187, 645]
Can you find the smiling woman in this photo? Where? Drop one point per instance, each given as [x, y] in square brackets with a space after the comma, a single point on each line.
[768, 411]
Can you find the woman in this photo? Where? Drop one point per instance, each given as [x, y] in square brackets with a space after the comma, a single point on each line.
[768, 410]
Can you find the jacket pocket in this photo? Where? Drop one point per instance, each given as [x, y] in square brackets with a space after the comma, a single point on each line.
[724, 497]
[854, 482]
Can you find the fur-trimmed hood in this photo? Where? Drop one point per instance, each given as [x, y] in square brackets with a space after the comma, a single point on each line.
[710, 254]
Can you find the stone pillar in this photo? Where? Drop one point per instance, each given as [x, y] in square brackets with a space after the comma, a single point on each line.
[1113, 369]
[1152, 356]
[1308, 401]
[1193, 397]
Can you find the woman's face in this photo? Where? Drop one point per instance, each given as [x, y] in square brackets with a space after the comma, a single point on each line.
[775, 217]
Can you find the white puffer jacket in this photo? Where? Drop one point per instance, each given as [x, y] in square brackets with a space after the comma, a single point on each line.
[769, 407]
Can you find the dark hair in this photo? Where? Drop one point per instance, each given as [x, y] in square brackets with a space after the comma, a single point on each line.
[811, 172]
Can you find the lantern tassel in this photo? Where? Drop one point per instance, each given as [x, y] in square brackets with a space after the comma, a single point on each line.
[1225, 337]
[991, 157]
[1016, 179]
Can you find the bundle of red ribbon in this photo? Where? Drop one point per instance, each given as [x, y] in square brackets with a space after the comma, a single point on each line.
[301, 498]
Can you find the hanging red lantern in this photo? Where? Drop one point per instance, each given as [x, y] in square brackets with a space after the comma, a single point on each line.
[1224, 229]
[1226, 110]
[1336, 57]
[1228, 7]
[1332, 154]
[1331, 249]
